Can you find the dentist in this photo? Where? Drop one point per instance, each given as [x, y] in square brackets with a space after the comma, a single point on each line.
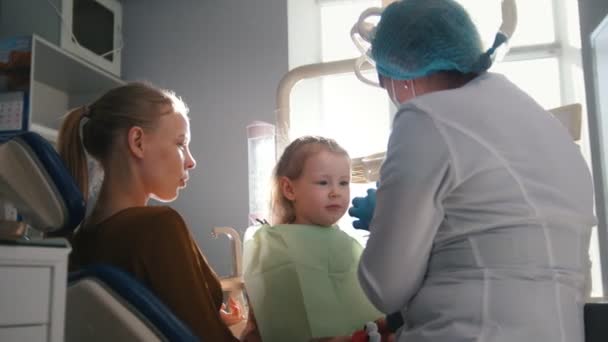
[483, 213]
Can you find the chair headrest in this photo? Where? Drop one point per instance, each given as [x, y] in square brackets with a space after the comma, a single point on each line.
[35, 180]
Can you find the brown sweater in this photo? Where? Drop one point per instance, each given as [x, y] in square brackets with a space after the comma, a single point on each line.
[154, 245]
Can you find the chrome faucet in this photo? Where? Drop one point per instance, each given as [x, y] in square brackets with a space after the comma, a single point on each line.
[237, 247]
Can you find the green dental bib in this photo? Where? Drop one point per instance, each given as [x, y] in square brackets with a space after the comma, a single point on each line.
[302, 282]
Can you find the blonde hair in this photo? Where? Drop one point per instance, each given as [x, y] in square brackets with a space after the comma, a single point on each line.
[290, 165]
[107, 119]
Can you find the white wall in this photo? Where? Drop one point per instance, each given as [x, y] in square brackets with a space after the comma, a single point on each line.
[225, 58]
[591, 13]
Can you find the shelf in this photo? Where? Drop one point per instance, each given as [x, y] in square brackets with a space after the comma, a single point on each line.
[60, 81]
[63, 71]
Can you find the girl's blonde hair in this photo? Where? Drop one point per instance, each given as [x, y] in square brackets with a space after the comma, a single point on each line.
[290, 165]
[106, 120]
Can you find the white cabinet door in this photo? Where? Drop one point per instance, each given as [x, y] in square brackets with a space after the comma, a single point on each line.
[24, 295]
[22, 334]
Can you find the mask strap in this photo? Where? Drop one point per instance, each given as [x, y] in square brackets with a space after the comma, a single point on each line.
[413, 88]
[405, 86]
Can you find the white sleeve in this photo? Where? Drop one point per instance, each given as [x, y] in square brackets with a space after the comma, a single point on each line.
[416, 175]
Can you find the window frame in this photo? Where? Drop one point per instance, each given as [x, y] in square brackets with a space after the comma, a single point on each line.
[599, 164]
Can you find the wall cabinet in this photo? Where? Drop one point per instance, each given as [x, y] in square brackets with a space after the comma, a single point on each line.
[33, 279]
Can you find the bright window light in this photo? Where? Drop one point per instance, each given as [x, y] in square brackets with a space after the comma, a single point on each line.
[535, 23]
[573, 28]
[354, 114]
[337, 19]
[487, 16]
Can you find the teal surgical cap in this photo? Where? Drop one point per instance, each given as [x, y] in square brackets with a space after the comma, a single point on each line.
[416, 38]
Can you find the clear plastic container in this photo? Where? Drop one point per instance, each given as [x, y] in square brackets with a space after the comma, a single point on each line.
[261, 160]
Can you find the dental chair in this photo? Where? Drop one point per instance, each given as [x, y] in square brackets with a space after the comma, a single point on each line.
[103, 303]
[107, 304]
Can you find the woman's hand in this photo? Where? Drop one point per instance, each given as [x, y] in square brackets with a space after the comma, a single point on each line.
[235, 315]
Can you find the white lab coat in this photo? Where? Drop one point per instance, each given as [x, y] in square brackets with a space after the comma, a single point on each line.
[482, 224]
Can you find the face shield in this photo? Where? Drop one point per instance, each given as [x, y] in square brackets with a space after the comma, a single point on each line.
[362, 35]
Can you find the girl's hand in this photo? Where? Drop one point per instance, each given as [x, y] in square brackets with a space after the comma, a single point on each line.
[235, 315]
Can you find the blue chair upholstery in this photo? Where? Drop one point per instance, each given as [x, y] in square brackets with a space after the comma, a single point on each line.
[35, 180]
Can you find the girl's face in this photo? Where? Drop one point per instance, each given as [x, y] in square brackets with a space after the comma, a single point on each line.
[321, 194]
[167, 157]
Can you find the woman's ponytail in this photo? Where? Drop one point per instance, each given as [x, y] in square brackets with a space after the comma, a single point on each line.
[71, 149]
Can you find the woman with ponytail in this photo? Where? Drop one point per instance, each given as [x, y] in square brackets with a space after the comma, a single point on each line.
[140, 136]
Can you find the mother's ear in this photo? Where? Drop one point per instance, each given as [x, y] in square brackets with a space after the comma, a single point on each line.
[287, 188]
[135, 139]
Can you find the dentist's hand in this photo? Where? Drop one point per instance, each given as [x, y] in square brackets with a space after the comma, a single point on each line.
[363, 209]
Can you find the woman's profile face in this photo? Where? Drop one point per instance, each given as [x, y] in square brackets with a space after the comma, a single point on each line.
[167, 160]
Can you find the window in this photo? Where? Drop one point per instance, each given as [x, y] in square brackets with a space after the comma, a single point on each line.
[544, 60]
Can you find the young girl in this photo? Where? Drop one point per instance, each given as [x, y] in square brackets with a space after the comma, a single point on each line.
[140, 135]
[300, 273]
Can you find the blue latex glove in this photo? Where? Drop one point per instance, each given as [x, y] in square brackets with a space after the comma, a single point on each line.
[363, 209]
